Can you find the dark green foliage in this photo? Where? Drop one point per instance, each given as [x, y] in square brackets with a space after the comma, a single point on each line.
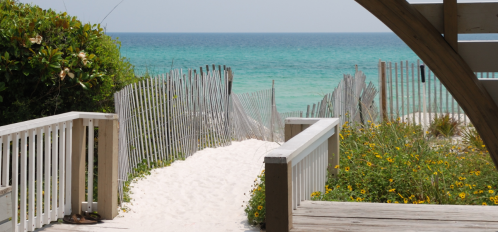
[51, 63]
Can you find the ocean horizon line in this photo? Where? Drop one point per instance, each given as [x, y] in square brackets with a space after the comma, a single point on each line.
[254, 32]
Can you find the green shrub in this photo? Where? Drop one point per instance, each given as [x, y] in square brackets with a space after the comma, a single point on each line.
[393, 163]
[51, 63]
[444, 126]
[256, 207]
[471, 138]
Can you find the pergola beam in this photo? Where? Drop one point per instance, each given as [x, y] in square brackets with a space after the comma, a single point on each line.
[473, 17]
[451, 23]
[453, 72]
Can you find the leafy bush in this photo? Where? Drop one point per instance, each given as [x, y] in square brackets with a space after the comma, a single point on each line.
[393, 163]
[52, 63]
[472, 138]
[256, 207]
[444, 126]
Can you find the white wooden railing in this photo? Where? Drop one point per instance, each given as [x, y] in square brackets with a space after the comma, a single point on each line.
[44, 162]
[299, 167]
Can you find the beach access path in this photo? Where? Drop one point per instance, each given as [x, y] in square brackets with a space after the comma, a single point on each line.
[206, 192]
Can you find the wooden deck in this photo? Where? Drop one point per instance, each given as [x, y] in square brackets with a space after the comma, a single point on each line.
[351, 216]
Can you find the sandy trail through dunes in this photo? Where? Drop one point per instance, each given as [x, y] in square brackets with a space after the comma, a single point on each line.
[203, 193]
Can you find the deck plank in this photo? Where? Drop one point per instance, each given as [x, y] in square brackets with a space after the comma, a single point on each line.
[352, 216]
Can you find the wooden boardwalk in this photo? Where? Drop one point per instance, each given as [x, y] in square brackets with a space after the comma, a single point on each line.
[351, 216]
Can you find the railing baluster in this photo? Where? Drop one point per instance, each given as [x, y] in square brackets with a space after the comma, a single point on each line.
[31, 180]
[6, 153]
[69, 148]
[23, 188]
[15, 179]
[39, 177]
[46, 203]
[294, 187]
[55, 154]
[62, 181]
[90, 165]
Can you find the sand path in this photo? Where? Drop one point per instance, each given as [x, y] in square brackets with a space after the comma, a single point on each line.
[203, 193]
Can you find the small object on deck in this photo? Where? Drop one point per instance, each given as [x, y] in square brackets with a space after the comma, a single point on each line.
[77, 219]
[93, 216]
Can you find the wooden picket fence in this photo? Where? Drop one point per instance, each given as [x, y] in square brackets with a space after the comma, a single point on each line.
[404, 94]
[352, 100]
[172, 116]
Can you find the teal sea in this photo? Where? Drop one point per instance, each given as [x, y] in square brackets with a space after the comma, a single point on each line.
[305, 66]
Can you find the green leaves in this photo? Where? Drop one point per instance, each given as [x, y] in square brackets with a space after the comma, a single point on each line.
[2, 88]
[37, 45]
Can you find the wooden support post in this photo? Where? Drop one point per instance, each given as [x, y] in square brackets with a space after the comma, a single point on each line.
[78, 166]
[451, 23]
[292, 130]
[108, 169]
[333, 150]
[278, 197]
[383, 91]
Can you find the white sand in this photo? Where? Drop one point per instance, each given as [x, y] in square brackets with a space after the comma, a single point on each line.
[203, 193]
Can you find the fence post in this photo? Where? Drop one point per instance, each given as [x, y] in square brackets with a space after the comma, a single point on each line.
[78, 166]
[279, 189]
[333, 152]
[108, 169]
[383, 92]
[278, 197]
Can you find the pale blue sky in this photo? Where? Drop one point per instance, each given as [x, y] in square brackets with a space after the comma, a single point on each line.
[223, 15]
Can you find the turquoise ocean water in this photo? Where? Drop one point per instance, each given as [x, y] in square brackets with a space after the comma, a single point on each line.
[304, 66]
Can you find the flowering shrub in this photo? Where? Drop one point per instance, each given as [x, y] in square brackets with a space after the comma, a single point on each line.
[52, 63]
[394, 163]
[256, 207]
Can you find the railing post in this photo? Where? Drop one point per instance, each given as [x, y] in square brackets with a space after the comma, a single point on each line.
[292, 130]
[278, 196]
[333, 150]
[78, 166]
[108, 169]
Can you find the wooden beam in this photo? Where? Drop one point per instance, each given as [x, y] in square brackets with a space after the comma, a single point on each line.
[278, 197]
[292, 130]
[455, 74]
[481, 56]
[108, 169]
[491, 84]
[473, 17]
[78, 166]
[451, 23]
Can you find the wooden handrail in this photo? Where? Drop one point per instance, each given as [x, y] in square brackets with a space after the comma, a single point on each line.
[299, 167]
